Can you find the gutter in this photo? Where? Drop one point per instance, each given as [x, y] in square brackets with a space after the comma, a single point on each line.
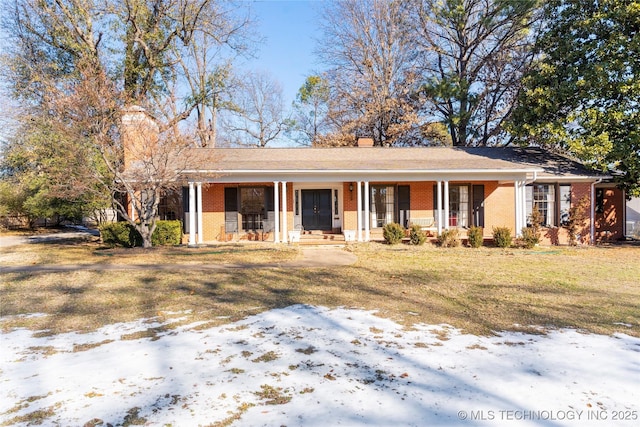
[356, 171]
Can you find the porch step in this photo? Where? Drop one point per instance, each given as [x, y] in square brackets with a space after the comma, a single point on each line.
[321, 239]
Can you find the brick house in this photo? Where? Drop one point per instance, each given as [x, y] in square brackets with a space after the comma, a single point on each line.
[275, 194]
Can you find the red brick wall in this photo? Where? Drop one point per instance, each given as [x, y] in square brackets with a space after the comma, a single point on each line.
[580, 194]
[213, 218]
[499, 208]
[609, 222]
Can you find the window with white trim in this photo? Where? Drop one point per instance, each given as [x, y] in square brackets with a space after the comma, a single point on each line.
[382, 205]
[458, 205]
[553, 202]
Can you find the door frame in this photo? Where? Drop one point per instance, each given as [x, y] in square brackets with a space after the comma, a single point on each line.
[322, 216]
[337, 204]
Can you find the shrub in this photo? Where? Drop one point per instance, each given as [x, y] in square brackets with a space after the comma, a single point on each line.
[476, 237]
[125, 235]
[167, 233]
[417, 236]
[120, 234]
[393, 233]
[502, 237]
[449, 238]
[529, 237]
[578, 215]
[535, 223]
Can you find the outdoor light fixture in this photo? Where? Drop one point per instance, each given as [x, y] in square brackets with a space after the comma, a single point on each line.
[351, 189]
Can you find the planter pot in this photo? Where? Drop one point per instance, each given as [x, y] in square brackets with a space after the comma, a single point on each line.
[349, 235]
[294, 236]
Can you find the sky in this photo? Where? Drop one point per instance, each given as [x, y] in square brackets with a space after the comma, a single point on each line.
[314, 366]
[289, 28]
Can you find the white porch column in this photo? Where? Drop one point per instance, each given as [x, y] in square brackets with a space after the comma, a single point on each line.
[523, 202]
[284, 212]
[276, 214]
[199, 209]
[439, 207]
[132, 206]
[446, 205]
[367, 213]
[522, 206]
[359, 195]
[192, 215]
[516, 187]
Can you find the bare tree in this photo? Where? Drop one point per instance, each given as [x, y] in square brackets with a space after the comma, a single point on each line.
[473, 54]
[367, 46]
[68, 60]
[259, 116]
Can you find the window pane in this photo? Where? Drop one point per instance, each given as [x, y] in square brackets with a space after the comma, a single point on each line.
[565, 203]
[459, 205]
[382, 205]
[544, 200]
[252, 207]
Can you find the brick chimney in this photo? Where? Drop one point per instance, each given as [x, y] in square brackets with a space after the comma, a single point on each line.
[139, 133]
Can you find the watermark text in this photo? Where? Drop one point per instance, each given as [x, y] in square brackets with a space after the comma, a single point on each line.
[549, 415]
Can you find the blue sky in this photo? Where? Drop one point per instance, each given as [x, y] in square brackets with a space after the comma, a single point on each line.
[289, 28]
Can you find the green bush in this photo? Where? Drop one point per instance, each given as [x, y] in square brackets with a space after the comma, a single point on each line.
[167, 233]
[120, 234]
[393, 233]
[529, 237]
[502, 237]
[416, 235]
[476, 237]
[125, 235]
[449, 238]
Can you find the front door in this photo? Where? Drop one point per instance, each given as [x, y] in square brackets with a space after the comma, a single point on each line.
[316, 209]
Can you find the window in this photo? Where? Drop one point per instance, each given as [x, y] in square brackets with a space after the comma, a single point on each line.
[382, 205]
[459, 206]
[553, 202]
[542, 196]
[252, 207]
[565, 204]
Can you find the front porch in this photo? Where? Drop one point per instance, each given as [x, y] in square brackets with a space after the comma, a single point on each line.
[345, 211]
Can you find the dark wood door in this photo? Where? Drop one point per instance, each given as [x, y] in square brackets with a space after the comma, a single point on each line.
[316, 209]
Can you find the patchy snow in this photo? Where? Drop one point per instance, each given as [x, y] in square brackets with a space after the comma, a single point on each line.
[311, 366]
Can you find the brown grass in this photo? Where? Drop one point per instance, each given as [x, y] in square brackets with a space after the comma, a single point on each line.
[479, 290]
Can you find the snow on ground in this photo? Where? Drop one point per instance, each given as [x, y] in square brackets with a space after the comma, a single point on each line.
[311, 366]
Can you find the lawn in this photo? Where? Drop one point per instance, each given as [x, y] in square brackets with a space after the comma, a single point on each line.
[405, 336]
[479, 291]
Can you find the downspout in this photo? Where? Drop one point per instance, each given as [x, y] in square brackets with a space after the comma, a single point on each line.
[592, 228]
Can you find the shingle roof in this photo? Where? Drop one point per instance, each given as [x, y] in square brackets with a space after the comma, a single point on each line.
[553, 164]
[351, 158]
[361, 159]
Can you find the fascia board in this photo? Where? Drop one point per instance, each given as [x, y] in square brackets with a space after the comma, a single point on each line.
[301, 175]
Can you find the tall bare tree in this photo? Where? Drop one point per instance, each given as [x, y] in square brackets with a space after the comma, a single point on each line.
[77, 65]
[367, 46]
[473, 54]
[259, 115]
